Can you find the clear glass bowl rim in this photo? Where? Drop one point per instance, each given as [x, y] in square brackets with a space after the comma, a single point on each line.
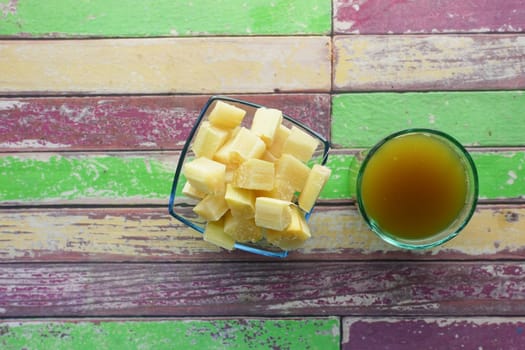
[244, 247]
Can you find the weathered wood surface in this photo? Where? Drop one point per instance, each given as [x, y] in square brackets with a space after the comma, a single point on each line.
[172, 333]
[150, 235]
[474, 118]
[127, 18]
[433, 333]
[145, 177]
[427, 16]
[90, 132]
[166, 65]
[428, 62]
[163, 122]
[129, 122]
[263, 289]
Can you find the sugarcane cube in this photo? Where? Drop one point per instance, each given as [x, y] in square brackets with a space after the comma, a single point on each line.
[300, 144]
[266, 122]
[212, 207]
[291, 169]
[294, 235]
[205, 175]
[226, 115]
[272, 213]
[242, 229]
[240, 201]
[281, 134]
[214, 234]
[254, 174]
[317, 179]
[208, 140]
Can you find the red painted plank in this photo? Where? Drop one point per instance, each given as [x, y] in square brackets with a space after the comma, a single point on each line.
[433, 333]
[428, 16]
[128, 122]
[258, 289]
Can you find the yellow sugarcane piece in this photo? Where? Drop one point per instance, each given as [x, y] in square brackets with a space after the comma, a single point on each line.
[242, 229]
[300, 144]
[282, 189]
[317, 178]
[214, 233]
[212, 207]
[189, 191]
[267, 156]
[241, 147]
[266, 122]
[226, 115]
[240, 201]
[281, 134]
[291, 169]
[254, 174]
[205, 175]
[272, 213]
[294, 236]
[208, 140]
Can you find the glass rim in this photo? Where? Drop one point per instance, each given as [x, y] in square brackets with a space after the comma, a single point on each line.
[471, 199]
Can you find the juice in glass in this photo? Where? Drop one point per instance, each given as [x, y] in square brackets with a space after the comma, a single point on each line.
[417, 188]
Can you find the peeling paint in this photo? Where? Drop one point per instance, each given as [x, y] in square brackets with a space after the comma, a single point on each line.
[9, 8]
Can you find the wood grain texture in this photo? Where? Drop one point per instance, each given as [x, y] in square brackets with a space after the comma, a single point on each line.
[144, 178]
[59, 18]
[150, 235]
[259, 289]
[166, 65]
[129, 122]
[429, 62]
[427, 16]
[171, 333]
[475, 118]
[433, 333]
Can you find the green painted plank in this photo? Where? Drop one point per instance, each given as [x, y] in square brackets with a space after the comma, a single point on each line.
[501, 175]
[147, 177]
[128, 18]
[70, 177]
[309, 333]
[493, 118]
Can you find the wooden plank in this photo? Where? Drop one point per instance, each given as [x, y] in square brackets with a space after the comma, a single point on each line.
[260, 289]
[429, 62]
[433, 333]
[500, 171]
[166, 65]
[129, 122]
[32, 18]
[151, 235]
[87, 178]
[171, 333]
[488, 118]
[427, 16]
[146, 178]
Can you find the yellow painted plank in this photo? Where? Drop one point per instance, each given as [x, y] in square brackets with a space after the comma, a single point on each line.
[429, 62]
[166, 65]
[492, 231]
[150, 234]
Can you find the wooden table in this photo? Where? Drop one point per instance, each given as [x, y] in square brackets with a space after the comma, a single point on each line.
[97, 99]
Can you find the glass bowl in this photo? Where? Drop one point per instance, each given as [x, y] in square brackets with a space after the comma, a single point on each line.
[181, 206]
